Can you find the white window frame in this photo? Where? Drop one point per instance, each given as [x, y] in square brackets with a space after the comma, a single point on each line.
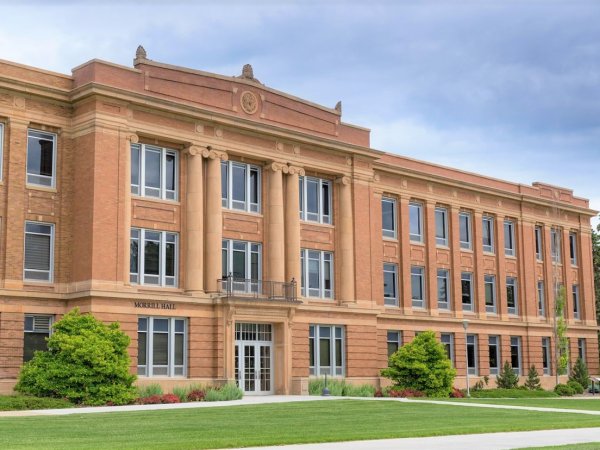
[467, 276]
[32, 176]
[393, 269]
[50, 272]
[444, 275]
[48, 318]
[555, 243]
[447, 340]
[418, 272]
[541, 297]
[487, 227]
[393, 337]
[250, 248]
[323, 257]
[515, 341]
[139, 277]
[576, 302]
[494, 341]
[490, 280]
[387, 232]
[171, 366]
[467, 218]
[415, 207]
[573, 248]
[509, 238]
[141, 189]
[539, 242]
[472, 342]
[511, 282]
[581, 349]
[547, 369]
[441, 213]
[319, 216]
[314, 334]
[246, 205]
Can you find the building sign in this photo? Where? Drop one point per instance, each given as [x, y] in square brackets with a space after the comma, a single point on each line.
[154, 305]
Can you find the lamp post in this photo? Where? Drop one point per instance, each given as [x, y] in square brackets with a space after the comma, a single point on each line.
[466, 326]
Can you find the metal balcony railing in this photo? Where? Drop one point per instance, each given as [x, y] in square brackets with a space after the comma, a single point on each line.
[266, 290]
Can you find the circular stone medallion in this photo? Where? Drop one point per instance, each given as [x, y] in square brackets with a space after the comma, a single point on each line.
[249, 102]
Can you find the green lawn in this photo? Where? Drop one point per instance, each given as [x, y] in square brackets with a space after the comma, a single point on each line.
[271, 424]
[589, 446]
[565, 403]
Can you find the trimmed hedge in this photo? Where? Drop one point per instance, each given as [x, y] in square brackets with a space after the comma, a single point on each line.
[25, 402]
[511, 393]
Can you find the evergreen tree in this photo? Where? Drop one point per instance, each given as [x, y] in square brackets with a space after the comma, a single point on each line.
[580, 373]
[507, 379]
[533, 380]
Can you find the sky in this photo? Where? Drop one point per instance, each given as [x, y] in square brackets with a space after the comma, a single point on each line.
[507, 88]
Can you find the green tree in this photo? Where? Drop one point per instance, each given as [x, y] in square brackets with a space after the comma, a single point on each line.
[580, 373]
[561, 332]
[533, 380]
[86, 362]
[422, 365]
[507, 378]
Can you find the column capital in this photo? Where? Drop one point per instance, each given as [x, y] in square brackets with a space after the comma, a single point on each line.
[193, 150]
[133, 138]
[211, 153]
[292, 170]
[276, 166]
[343, 180]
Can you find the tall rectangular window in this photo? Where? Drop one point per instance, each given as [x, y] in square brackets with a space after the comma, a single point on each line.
[394, 341]
[555, 244]
[576, 305]
[541, 296]
[464, 222]
[162, 347]
[242, 260]
[153, 257]
[154, 171]
[573, 248]
[488, 234]
[441, 226]
[39, 252]
[327, 350]
[581, 349]
[390, 284]
[447, 340]
[443, 284]
[417, 286]
[509, 238]
[37, 329]
[315, 200]
[466, 283]
[539, 246]
[512, 295]
[41, 158]
[490, 293]
[415, 211]
[472, 354]
[240, 186]
[515, 354]
[546, 355]
[317, 273]
[388, 217]
[494, 354]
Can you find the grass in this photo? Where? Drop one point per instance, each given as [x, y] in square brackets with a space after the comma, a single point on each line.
[23, 402]
[271, 424]
[588, 446]
[566, 403]
[511, 393]
[339, 388]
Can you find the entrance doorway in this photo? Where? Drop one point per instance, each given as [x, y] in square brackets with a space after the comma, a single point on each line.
[254, 358]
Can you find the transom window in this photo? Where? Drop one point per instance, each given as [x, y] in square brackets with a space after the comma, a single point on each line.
[388, 216]
[509, 238]
[494, 354]
[447, 340]
[390, 284]
[488, 234]
[317, 273]
[466, 283]
[153, 257]
[315, 200]
[41, 158]
[37, 329]
[443, 280]
[240, 186]
[154, 171]
[39, 251]
[472, 354]
[464, 223]
[441, 226]
[415, 211]
[490, 293]
[394, 341]
[327, 350]
[417, 282]
[512, 295]
[162, 346]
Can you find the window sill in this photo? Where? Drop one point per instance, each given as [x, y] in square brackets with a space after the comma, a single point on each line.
[390, 239]
[510, 257]
[156, 200]
[466, 250]
[488, 253]
[243, 213]
[417, 243]
[35, 187]
[38, 283]
[154, 289]
[442, 246]
[308, 222]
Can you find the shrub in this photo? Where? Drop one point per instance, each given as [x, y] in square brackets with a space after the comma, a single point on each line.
[197, 395]
[25, 402]
[580, 373]
[564, 390]
[404, 393]
[378, 393]
[229, 391]
[511, 393]
[86, 362]
[533, 380]
[149, 390]
[422, 365]
[457, 393]
[335, 386]
[169, 398]
[507, 379]
[481, 384]
[157, 399]
[363, 390]
[181, 393]
[577, 388]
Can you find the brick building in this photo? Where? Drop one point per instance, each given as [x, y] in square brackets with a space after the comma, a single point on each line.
[238, 232]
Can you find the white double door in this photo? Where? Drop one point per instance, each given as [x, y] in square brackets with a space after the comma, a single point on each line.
[254, 367]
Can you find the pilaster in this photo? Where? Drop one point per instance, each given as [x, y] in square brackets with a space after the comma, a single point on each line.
[194, 224]
[275, 230]
[292, 225]
[346, 241]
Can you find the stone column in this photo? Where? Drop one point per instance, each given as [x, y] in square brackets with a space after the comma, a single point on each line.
[431, 298]
[194, 229]
[275, 232]
[501, 296]
[567, 276]
[478, 276]
[213, 220]
[346, 245]
[455, 253]
[292, 227]
[130, 139]
[404, 276]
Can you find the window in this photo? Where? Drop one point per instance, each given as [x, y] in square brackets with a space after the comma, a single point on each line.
[472, 354]
[417, 286]
[546, 355]
[541, 299]
[388, 217]
[315, 200]
[490, 293]
[466, 283]
[464, 222]
[555, 244]
[240, 186]
[1, 147]
[242, 260]
[317, 273]
[394, 341]
[39, 251]
[576, 309]
[443, 280]
[509, 238]
[581, 349]
[41, 158]
[447, 340]
[390, 284]
[37, 329]
[327, 354]
[573, 248]
[488, 234]
[494, 354]
[415, 211]
[441, 226]
[154, 171]
[515, 354]
[539, 252]
[162, 346]
[512, 295]
[153, 257]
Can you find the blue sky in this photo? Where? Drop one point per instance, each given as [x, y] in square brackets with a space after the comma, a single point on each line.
[509, 89]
